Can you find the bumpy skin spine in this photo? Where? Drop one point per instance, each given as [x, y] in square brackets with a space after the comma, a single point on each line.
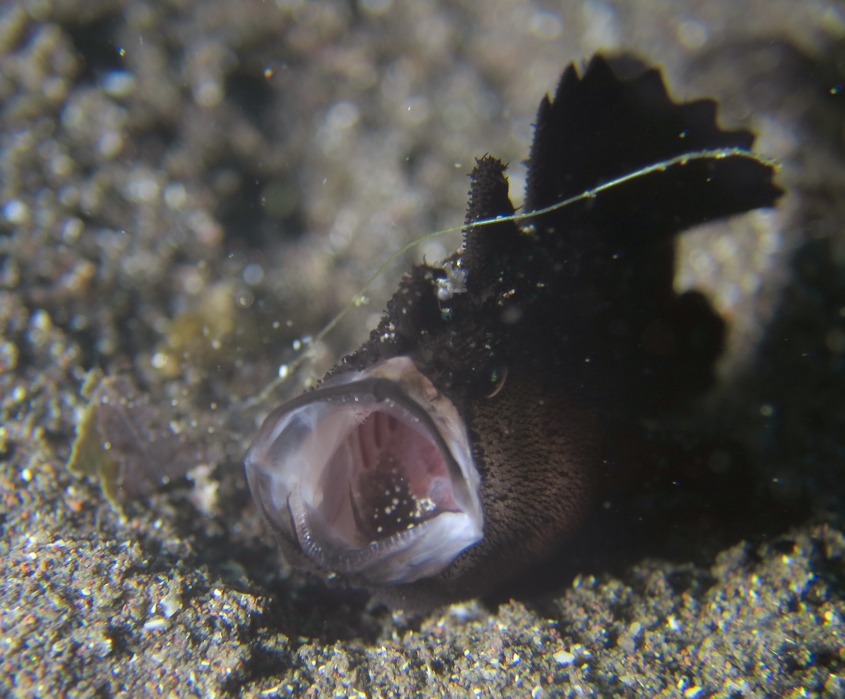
[577, 307]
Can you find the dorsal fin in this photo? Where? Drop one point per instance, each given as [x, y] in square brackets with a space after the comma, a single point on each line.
[600, 127]
[489, 247]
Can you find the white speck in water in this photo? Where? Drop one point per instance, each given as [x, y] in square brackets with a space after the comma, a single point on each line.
[15, 211]
[175, 196]
[342, 115]
[546, 25]
[692, 34]
[118, 83]
[141, 186]
[253, 274]
[71, 230]
[208, 93]
[110, 143]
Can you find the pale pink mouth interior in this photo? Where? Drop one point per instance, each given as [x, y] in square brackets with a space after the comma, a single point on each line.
[386, 476]
[370, 475]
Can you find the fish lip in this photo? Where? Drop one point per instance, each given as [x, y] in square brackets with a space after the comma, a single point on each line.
[284, 485]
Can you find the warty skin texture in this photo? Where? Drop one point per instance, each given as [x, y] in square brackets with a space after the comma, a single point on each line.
[568, 328]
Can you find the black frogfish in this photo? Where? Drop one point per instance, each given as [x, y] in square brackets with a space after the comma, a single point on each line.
[466, 439]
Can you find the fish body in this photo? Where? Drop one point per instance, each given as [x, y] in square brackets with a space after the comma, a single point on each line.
[466, 438]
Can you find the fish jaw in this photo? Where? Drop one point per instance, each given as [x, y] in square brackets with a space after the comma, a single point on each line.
[369, 477]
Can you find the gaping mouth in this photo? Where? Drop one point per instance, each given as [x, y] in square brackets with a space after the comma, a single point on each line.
[371, 475]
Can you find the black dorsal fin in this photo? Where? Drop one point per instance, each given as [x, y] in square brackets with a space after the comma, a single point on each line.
[488, 247]
[585, 291]
[600, 127]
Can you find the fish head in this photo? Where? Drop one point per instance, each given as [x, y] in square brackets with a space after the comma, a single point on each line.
[467, 439]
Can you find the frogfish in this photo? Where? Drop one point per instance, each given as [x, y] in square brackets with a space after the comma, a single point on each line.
[466, 439]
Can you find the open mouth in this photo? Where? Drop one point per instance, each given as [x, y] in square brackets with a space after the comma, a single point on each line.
[370, 475]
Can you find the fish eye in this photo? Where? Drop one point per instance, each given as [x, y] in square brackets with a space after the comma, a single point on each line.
[497, 374]
[489, 378]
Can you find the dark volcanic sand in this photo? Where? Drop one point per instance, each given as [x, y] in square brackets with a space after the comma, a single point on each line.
[188, 189]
